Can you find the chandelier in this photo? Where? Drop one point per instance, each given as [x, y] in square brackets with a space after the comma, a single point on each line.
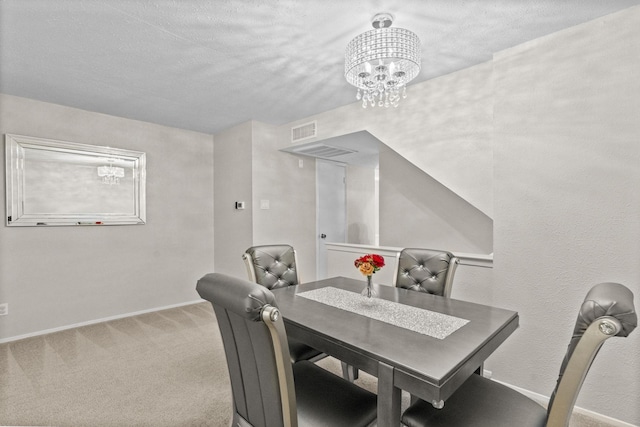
[110, 174]
[381, 62]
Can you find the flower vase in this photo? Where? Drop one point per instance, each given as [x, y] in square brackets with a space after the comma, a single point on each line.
[369, 292]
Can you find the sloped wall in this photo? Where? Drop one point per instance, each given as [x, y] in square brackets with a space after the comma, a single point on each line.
[444, 131]
[417, 211]
[443, 127]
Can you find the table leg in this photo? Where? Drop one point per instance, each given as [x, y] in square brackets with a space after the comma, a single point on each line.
[389, 397]
[349, 373]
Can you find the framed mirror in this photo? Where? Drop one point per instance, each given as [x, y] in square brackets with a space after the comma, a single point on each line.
[51, 183]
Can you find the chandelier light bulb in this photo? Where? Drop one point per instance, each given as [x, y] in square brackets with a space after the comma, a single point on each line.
[380, 62]
[110, 174]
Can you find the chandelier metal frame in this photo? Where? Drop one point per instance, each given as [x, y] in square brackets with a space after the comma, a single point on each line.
[380, 62]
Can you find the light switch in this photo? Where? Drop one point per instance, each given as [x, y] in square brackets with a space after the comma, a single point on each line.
[239, 205]
[264, 204]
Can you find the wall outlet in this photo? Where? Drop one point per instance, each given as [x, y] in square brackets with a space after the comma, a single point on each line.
[4, 309]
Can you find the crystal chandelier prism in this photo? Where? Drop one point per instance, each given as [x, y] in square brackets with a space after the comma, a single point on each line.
[380, 62]
[110, 174]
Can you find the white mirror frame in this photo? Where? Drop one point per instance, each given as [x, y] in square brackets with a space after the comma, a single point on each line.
[52, 183]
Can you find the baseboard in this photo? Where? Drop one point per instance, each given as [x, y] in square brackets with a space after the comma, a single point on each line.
[92, 322]
[544, 400]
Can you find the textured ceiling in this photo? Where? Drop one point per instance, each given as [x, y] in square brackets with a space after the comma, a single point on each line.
[208, 65]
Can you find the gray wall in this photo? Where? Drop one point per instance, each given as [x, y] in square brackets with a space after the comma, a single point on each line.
[291, 191]
[561, 116]
[443, 127]
[58, 276]
[567, 205]
[560, 113]
[418, 211]
[249, 168]
[233, 183]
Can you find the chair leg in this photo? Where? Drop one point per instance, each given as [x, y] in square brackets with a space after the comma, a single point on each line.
[349, 373]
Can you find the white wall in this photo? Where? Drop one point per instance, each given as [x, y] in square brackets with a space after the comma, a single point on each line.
[54, 277]
[362, 206]
[567, 205]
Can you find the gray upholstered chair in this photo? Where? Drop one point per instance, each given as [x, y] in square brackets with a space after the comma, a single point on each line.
[422, 270]
[272, 266]
[425, 270]
[268, 390]
[276, 266]
[607, 311]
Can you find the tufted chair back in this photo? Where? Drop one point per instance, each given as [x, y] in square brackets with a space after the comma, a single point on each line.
[425, 270]
[272, 266]
[275, 266]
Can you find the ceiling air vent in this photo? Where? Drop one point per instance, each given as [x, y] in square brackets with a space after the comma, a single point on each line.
[305, 131]
[322, 151]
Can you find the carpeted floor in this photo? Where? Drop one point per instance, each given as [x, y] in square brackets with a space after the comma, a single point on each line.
[165, 368]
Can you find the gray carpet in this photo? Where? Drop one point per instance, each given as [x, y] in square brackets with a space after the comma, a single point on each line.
[159, 369]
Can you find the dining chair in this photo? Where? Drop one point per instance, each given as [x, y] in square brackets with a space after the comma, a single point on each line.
[607, 311]
[422, 270]
[267, 389]
[272, 266]
[425, 270]
[276, 266]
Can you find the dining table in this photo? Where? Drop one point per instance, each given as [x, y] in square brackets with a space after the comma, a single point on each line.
[424, 344]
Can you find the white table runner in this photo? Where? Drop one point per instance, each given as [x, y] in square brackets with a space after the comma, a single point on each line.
[436, 325]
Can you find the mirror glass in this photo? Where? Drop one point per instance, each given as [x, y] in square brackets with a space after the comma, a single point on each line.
[52, 183]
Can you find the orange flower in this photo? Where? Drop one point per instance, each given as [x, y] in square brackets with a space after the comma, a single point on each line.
[369, 264]
[366, 268]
